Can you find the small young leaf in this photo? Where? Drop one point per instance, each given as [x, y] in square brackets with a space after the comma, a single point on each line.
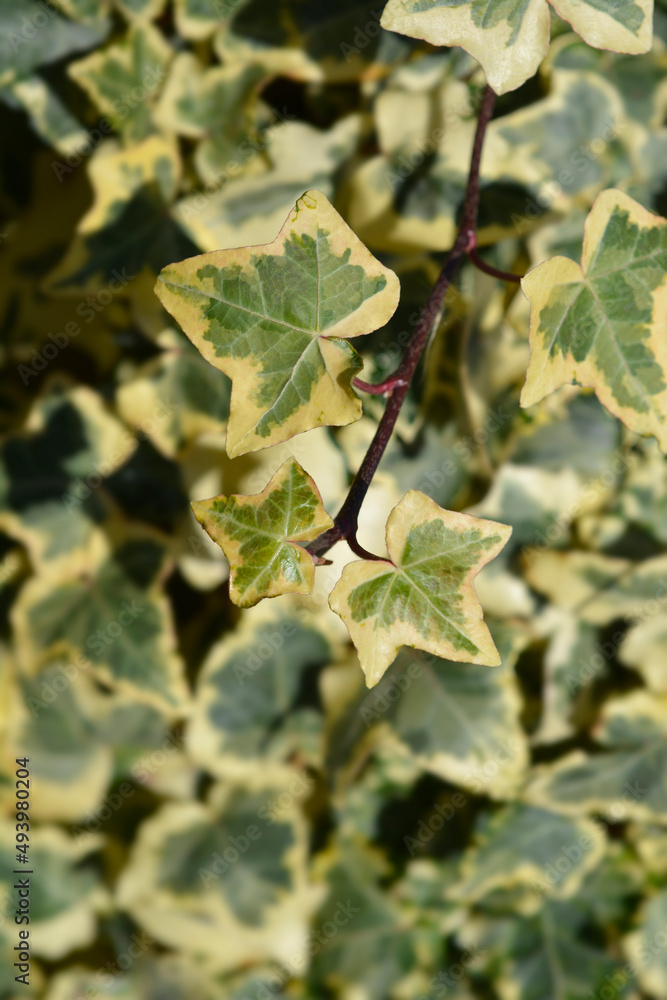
[260, 535]
[511, 37]
[602, 324]
[272, 318]
[423, 595]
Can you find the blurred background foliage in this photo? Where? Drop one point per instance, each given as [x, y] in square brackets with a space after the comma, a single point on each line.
[220, 808]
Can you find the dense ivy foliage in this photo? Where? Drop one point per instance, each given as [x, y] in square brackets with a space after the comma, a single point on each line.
[221, 220]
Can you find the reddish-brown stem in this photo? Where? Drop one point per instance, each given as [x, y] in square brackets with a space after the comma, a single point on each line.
[378, 388]
[345, 523]
[489, 268]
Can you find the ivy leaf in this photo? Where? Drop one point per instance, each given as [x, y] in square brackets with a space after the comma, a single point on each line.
[516, 847]
[66, 898]
[46, 501]
[218, 106]
[246, 691]
[133, 190]
[111, 614]
[423, 595]
[272, 318]
[548, 954]
[260, 535]
[312, 42]
[650, 962]
[510, 38]
[459, 721]
[124, 79]
[27, 42]
[187, 889]
[628, 780]
[602, 324]
[178, 383]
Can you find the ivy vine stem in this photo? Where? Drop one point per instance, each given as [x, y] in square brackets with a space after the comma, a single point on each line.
[495, 272]
[398, 384]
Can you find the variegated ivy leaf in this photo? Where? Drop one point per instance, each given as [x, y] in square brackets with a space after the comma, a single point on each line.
[376, 946]
[251, 200]
[179, 384]
[218, 106]
[28, 41]
[197, 19]
[190, 888]
[141, 10]
[69, 442]
[66, 896]
[337, 42]
[423, 595]
[273, 319]
[110, 613]
[124, 79]
[551, 954]
[602, 324]
[246, 691]
[644, 946]
[260, 535]
[133, 189]
[522, 846]
[511, 37]
[628, 780]
[49, 115]
[459, 721]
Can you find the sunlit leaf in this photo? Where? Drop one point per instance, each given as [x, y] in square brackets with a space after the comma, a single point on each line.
[218, 106]
[458, 721]
[129, 231]
[644, 946]
[260, 535]
[423, 595]
[284, 352]
[312, 42]
[52, 493]
[175, 398]
[511, 38]
[600, 324]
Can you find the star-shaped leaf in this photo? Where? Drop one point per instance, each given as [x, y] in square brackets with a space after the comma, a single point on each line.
[423, 595]
[602, 324]
[260, 535]
[510, 38]
[272, 318]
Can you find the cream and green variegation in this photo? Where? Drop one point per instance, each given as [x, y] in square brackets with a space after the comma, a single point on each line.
[65, 901]
[109, 615]
[511, 37]
[260, 535]
[125, 79]
[191, 889]
[458, 721]
[643, 946]
[273, 319]
[245, 691]
[522, 846]
[602, 324]
[627, 781]
[423, 594]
